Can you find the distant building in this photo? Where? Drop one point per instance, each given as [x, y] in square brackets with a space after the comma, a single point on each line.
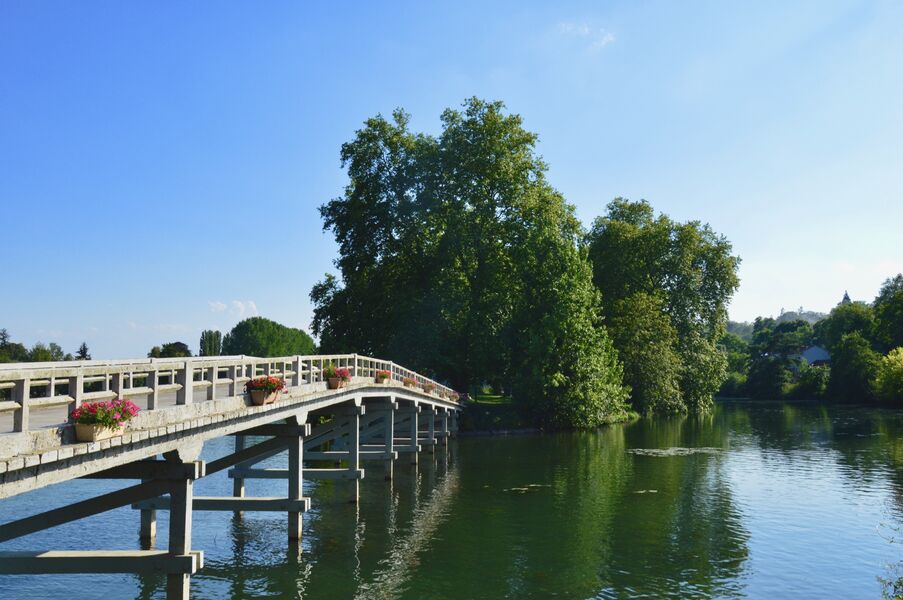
[816, 356]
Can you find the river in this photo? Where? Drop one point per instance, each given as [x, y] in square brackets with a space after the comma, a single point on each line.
[759, 500]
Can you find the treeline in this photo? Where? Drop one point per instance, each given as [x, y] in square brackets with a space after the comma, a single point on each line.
[12, 352]
[255, 336]
[458, 258]
[864, 342]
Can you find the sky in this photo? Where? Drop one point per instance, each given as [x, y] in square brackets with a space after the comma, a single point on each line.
[161, 164]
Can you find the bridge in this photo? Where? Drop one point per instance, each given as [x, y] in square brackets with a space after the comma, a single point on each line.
[327, 434]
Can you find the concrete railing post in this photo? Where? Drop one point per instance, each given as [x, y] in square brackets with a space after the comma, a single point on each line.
[21, 394]
[185, 378]
[76, 389]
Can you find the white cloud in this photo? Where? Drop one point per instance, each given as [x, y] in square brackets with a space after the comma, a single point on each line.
[244, 308]
[217, 306]
[596, 38]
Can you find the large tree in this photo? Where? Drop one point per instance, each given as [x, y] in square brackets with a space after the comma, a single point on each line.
[211, 343]
[846, 317]
[262, 337]
[889, 313]
[456, 256]
[689, 268]
[170, 350]
[854, 368]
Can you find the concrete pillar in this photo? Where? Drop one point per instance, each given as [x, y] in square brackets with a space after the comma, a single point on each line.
[147, 534]
[295, 487]
[21, 394]
[443, 425]
[185, 378]
[180, 494]
[390, 438]
[431, 428]
[354, 445]
[151, 382]
[414, 429]
[238, 483]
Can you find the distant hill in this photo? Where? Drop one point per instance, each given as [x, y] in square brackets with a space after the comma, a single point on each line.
[809, 316]
[744, 329]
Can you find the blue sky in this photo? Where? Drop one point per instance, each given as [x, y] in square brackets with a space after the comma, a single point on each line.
[161, 164]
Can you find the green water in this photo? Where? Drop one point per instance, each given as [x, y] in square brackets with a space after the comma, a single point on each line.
[758, 500]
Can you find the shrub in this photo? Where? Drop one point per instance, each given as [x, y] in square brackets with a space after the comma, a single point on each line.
[889, 382]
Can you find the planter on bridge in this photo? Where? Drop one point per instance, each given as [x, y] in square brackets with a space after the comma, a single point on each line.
[336, 377]
[102, 420]
[95, 433]
[409, 382]
[383, 377]
[264, 390]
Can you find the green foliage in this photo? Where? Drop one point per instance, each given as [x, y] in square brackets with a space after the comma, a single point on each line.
[889, 313]
[734, 386]
[854, 368]
[690, 269]
[211, 343]
[889, 381]
[775, 361]
[742, 330]
[83, 353]
[647, 342]
[170, 350]
[51, 352]
[846, 317]
[457, 256]
[11, 351]
[768, 378]
[736, 350]
[812, 382]
[262, 337]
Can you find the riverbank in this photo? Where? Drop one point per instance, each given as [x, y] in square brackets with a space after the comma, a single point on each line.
[490, 414]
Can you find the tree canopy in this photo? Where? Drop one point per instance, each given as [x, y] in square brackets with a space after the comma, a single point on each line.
[889, 313]
[211, 343]
[691, 272]
[170, 350]
[257, 336]
[457, 256]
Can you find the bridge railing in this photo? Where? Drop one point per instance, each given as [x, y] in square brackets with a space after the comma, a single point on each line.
[28, 386]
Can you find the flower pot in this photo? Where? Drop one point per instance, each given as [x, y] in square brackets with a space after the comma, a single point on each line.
[93, 433]
[261, 397]
[336, 383]
[383, 381]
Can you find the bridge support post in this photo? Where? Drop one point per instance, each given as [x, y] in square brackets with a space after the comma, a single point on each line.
[390, 438]
[354, 449]
[147, 534]
[443, 426]
[238, 483]
[295, 482]
[415, 427]
[453, 425]
[181, 496]
[431, 429]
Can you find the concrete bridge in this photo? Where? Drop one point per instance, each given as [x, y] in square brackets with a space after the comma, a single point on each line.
[328, 434]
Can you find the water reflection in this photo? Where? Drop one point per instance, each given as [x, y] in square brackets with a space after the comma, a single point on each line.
[755, 500]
